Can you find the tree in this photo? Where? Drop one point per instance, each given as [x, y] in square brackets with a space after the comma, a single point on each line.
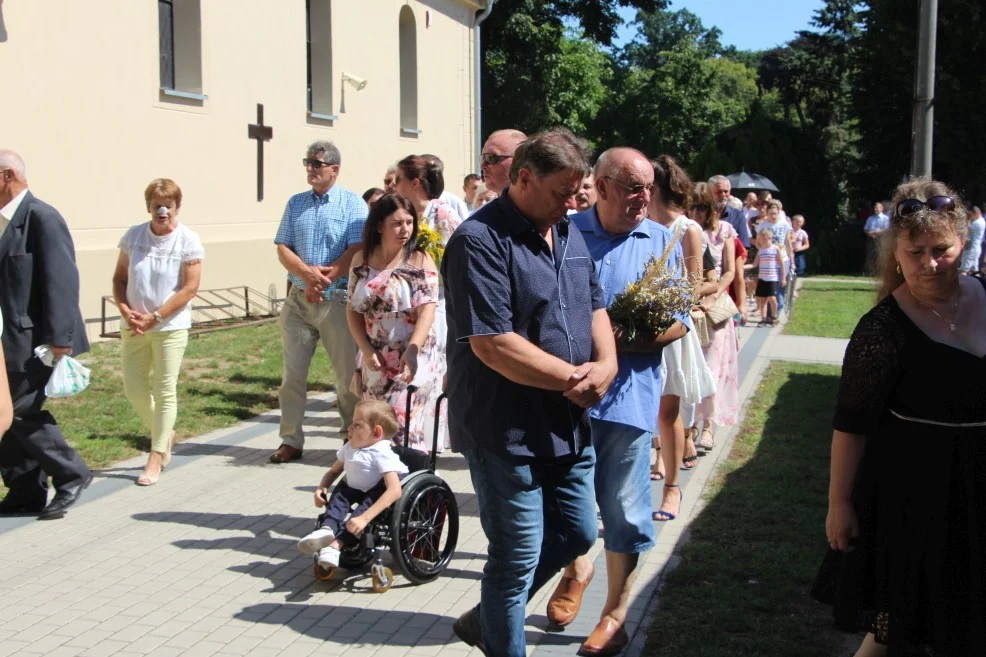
[534, 74]
[883, 85]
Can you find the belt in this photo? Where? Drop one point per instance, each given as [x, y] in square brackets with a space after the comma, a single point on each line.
[339, 295]
[956, 425]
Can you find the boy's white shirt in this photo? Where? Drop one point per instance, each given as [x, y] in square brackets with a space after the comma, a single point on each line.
[364, 467]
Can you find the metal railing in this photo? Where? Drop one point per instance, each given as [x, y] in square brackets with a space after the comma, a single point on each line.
[222, 308]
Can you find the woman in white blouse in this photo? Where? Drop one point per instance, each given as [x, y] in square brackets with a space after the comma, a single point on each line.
[157, 275]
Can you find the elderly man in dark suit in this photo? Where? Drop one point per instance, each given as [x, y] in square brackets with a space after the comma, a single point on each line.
[39, 295]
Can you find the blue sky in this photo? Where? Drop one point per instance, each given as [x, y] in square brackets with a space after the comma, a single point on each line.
[746, 24]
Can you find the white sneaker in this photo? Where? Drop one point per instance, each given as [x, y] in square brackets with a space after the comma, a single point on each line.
[317, 540]
[328, 557]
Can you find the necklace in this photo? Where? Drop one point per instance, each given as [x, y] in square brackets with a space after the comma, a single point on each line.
[955, 310]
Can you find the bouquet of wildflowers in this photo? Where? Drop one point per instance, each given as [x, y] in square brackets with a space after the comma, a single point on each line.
[431, 242]
[653, 303]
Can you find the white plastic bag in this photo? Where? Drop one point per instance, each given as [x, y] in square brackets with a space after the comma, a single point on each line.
[68, 378]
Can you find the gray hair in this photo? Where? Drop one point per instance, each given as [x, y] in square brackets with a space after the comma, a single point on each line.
[550, 152]
[719, 180]
[11, 160]
[326, 148]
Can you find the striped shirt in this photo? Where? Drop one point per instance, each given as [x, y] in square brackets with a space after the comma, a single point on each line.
[769, 262]
[320, 229]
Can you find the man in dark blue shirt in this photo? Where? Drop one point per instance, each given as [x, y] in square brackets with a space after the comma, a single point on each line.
[530, 349]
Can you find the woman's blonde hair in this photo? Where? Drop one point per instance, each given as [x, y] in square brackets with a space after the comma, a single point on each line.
[922, 222]
[380, 413]
[163, 188]
[701, 194]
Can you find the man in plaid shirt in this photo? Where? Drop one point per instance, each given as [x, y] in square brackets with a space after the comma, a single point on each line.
[320, 232]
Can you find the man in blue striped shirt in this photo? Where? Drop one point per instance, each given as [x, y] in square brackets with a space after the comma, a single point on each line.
[320, 232]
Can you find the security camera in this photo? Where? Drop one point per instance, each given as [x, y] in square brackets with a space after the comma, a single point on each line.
[354, 80]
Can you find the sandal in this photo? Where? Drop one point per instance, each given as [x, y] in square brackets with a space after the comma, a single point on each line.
[690, 461]
[704, 443]
[655, 473]
[662, 515]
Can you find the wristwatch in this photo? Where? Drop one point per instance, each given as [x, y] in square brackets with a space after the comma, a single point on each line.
[157, 316]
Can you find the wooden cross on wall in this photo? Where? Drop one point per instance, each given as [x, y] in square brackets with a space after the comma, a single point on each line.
[261, 133]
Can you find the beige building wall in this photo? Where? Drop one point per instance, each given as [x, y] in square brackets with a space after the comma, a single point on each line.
[83, 106]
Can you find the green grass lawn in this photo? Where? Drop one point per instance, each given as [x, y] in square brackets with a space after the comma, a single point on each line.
[830, 310]
[741, 588]
[227, 377]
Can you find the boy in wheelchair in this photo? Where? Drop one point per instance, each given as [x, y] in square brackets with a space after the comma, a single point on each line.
[373, 482]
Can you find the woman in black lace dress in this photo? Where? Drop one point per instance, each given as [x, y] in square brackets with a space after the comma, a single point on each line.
[907, 499]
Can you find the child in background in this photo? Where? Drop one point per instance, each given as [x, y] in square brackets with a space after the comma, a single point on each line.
[770, 267]
[373, 482]
[801, 245]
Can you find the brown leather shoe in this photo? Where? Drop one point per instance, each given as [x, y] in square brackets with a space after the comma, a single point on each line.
[565, 601]
[608, 638]
[284, 454]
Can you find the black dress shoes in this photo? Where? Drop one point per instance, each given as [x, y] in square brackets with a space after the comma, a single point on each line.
[15, 507]
[65, 497]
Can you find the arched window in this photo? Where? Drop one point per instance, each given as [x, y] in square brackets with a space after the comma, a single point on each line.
[409, 73]
[318, 28]
[180, 41]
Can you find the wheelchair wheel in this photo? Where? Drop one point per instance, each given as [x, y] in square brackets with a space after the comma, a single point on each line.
[383, 578]
[425, 528]
[322, 574]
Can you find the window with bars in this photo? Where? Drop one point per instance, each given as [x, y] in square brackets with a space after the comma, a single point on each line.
[408, 45]
[180, 49]
[318, 37]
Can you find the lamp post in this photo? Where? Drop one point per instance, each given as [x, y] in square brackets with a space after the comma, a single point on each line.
[923, 126]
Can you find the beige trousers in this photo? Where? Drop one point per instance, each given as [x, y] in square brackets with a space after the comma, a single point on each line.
[151, 363]
[303, 325]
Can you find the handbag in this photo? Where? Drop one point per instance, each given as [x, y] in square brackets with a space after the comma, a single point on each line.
[722, 310]
[701, 328]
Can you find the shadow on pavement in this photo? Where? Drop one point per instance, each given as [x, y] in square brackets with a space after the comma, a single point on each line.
[352, 625]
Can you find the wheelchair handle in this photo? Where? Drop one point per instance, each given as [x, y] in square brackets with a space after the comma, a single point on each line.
[411, 389]
[434, 441]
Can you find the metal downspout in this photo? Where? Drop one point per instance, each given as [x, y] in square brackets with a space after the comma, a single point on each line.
[480, 17]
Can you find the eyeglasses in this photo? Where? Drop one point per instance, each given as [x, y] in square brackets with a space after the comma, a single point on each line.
[935, 204]
[489, 159]
[315, 164]
[634, 190]
[701, 207]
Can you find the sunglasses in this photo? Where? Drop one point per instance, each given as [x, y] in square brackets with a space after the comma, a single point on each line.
[489, 159]
[634, 190]
[934, 204]
[701, 207]
[315, 164]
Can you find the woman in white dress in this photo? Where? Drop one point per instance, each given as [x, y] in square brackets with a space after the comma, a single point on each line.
[687, 379]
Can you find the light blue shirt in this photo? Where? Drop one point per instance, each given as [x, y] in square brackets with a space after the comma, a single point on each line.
[620, 260]
[876, 222]
[738, 220]
[974, 247]
[320, 228]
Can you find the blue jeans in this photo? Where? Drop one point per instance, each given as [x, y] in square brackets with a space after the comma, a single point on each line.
[538, 517]
[623, 487]
[800, 263]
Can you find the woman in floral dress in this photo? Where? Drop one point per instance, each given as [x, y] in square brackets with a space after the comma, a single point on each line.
[722, 355]
[393, 290]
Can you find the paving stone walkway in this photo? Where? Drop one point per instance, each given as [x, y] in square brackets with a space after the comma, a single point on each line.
[205, 562]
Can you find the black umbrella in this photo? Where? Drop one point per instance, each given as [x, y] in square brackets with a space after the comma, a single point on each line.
[751, 182]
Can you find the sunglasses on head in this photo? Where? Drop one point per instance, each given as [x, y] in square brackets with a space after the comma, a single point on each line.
[489, 159]
[909, 206]
[315, 164]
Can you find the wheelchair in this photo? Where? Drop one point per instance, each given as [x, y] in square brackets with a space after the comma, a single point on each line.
[420, 530]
